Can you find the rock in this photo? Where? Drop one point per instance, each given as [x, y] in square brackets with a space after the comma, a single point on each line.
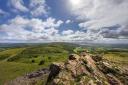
[91, 82]
[97, 58]
[113, 80]
[105, 67]
[31, 78]
[76, 70]
[64, 78]
[54, 71]
[37, 73]
[74, 57]
[76, 66]
[83, 54]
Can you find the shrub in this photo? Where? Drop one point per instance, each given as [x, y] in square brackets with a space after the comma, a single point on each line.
[49, 58]
[33, 61]
[41, 62]
[35, 56]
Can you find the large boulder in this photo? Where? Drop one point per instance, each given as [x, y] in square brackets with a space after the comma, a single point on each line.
[54, 71]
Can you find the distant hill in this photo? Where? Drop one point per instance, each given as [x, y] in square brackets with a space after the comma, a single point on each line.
[9, 45]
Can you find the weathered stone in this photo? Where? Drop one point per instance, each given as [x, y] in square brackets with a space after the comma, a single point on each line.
[74, 57]
[113, 80]
[54, 71]
[97, 58]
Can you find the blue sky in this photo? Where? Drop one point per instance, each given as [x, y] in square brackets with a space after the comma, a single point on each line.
[93, 21]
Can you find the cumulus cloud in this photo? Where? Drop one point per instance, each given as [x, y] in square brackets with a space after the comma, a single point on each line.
[68, 21]
[101, 20]
[77, 36]
[24, 29]
[21, 28]
[34, 7]
[98, 14]
[18, 5]
[67, 32]
[38, 7]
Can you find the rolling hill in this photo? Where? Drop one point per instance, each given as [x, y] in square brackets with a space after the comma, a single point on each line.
[18, 61]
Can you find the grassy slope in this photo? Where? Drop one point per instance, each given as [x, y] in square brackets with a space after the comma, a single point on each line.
[118, 58]
[10, 53]
[11, 70]
[48, 52]
[20, 59]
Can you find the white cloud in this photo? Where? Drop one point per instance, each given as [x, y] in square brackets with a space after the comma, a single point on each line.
[70, 35]
[38, 30]
[68, 21]
[34, 7]
[67, 32]
[18, 5]
[35, 29]
[102, 19]
[21, 28]
[50, 22]
[38, 7]
[98, 14]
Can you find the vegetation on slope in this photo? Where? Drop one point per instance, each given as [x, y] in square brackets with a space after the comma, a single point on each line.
[10, 53]
[15, 62]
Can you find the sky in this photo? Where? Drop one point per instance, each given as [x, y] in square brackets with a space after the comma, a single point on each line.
[87, 21]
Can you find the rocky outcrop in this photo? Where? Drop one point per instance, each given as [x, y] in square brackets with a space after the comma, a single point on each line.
[82, 70]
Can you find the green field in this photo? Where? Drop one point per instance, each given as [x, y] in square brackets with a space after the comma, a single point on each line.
[11, 70]
[15, 62]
